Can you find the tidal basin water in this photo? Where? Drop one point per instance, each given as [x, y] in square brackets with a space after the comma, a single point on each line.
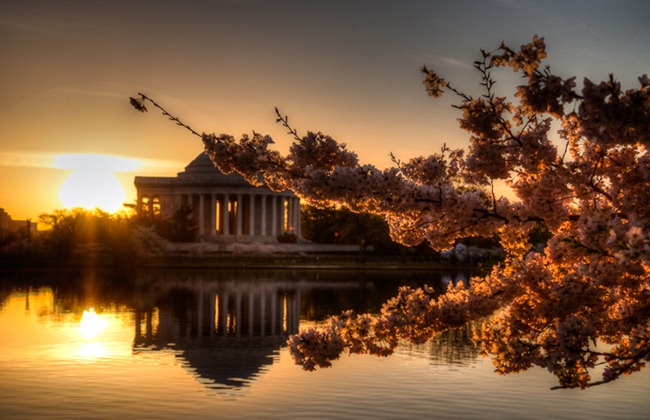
[211, 344]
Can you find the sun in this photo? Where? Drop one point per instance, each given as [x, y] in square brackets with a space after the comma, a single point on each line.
[92, 183]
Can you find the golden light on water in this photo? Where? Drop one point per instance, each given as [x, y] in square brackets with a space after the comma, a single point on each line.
[92, 324]
[92, 183]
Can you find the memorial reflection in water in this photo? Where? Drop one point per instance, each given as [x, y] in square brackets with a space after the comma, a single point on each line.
[178, 343]
[225, 327]
[228, 327]
[225, 332]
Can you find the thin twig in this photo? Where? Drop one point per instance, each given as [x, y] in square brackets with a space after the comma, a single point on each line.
[285, 122]
[139, 104]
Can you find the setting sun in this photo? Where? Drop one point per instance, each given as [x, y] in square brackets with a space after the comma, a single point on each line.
[92, 182]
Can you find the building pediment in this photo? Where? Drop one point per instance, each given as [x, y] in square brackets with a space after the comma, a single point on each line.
[223, 205]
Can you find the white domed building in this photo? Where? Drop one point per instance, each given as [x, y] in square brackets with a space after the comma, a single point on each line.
[225, 207]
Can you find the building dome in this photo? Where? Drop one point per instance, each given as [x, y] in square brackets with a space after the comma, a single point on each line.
[201, 169]
[224, 207]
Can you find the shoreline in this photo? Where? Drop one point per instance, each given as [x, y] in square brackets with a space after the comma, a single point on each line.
[248, 261]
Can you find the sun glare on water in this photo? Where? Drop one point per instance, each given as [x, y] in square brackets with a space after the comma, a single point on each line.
[92, 324]
[92, 182]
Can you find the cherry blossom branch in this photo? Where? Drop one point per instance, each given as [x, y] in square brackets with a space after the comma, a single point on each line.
[285, 122]
[544, 306]
[140, 105]
[630, 365]
[487, 81]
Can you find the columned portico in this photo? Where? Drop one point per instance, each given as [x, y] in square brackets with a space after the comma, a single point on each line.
[223, 206]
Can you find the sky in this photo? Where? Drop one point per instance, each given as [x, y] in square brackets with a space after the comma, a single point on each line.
[346, 68]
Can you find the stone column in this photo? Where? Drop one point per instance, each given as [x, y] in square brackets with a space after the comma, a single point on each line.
[201, 215]
[139, 203]
[239, 214]
[162, 203]
[297, 218]
[225, 215]
[263, 216]
[251, 215]
[274, 216]
[213, 216]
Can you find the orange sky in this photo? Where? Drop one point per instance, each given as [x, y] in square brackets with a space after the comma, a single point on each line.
[346, 68]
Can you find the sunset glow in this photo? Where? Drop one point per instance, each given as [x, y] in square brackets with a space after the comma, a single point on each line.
[93, 183]
[66, 83]
[92, 324]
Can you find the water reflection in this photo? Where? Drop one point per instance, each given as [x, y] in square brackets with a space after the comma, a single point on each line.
[224, 332]
[225, 328]
[91, 324]
[454, 347]
[160, 358]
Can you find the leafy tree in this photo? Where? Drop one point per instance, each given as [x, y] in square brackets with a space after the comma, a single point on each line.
[63, 230]
[180, 227]
[581, 302]
[21, 243]
[341, 226]
[72, 229]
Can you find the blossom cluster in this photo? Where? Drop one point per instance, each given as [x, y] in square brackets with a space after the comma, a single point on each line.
[582, 301]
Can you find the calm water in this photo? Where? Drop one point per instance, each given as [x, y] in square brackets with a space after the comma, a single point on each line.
[210, 344]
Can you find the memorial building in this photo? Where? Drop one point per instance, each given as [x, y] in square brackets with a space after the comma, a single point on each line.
[225, 207]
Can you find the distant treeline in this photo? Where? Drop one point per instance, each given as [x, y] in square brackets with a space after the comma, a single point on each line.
[78, 234]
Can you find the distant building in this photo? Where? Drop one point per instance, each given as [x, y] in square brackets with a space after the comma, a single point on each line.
[225, 207]
[8, 225]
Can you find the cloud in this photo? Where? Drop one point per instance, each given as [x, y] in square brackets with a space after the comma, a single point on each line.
[98, 90]
[456, 63]
[434, 60]
[89, 163]
[49, 160]
[26, 159]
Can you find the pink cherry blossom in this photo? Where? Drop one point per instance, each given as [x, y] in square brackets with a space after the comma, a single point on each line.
[582, 301]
